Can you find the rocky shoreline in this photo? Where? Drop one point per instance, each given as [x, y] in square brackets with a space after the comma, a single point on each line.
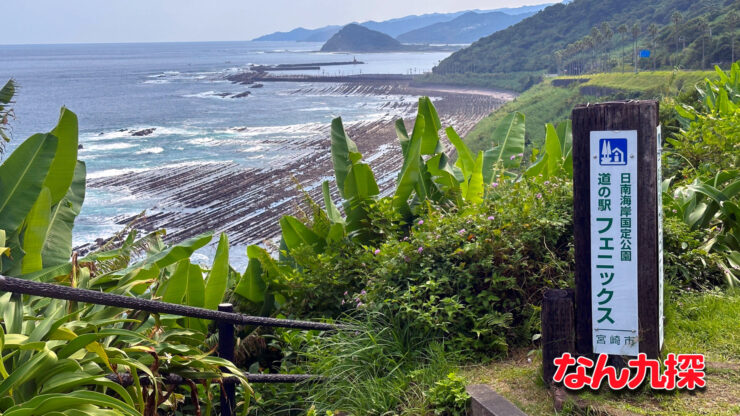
[247, 203]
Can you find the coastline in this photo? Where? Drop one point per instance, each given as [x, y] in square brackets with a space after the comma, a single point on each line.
[246, 203]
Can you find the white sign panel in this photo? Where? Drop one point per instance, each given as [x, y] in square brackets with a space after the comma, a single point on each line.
[614, 242]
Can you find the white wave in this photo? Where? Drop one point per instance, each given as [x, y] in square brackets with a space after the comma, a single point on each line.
[253, 149]
[150, 150]
[127, 133]
[288, 129]
[210, 94]
[107, 173]
[116, 134]
[175, 131]
[109, 146]
[203, 141]
[209, 141]
[157, 81]
[316, 109]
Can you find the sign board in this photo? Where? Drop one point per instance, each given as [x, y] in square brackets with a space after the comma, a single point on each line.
[617, 228]
[614, 225]
[661, 318]
[644, 53]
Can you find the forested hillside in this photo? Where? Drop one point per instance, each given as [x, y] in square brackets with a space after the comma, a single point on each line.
[593, 35]
[467, 28]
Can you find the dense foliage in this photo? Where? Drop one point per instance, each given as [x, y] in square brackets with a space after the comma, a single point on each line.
[62, 357]
[450, 266]
[531, 44]
[702, 187]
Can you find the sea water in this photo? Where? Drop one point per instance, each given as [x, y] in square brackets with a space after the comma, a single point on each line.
[177, 88]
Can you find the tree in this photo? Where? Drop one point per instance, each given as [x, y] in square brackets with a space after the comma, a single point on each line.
[558, 60]
[653, 30]
[732, 19]
[635, 31]
[703, 26]
[607, 33]
[676, 17]
[596, 37]
[622, 29]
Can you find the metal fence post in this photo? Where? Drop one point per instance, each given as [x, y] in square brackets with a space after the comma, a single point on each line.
[226, 351]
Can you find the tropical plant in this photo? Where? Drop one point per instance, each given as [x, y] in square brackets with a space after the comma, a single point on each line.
[712, 205]
[426, 175]
[556, 158]
[704, 29]
[75, 363]
[709, 142]
[635, 32]
[676, 18]
[653, 30]
[622, 29]
[70, 360]
[732, 19]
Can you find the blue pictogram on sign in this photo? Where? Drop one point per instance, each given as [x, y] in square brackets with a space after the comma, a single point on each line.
[612, 152]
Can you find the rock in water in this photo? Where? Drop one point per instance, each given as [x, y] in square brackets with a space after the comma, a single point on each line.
[144, 132]
[241, 94]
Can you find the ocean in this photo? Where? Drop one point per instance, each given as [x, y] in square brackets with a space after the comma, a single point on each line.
[178, 90]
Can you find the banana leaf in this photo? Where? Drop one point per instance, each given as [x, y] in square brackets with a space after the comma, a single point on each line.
[22, 177]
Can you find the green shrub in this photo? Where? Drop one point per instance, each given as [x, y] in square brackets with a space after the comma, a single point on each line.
[473, 276]
[448, 396]
[685, 263]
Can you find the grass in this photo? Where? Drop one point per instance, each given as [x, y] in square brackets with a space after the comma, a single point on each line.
[540, 104]
[545, 103]
[512, 81]
[695, 323]
[645, 82]
[380, 367]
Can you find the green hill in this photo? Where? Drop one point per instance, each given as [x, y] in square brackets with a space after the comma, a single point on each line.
[584, 36]
[552, 100]
[466, 28]
[356, 38]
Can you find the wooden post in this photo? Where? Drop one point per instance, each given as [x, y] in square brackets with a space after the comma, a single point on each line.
[226, 351]
[558, 328]
[642, 117]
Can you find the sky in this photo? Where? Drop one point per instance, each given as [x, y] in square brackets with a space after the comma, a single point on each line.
[104, 21]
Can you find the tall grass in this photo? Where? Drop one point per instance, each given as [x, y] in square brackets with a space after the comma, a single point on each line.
[704, 322]
[380, 367]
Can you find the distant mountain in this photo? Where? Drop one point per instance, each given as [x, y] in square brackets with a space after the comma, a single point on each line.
[466, 28]
[300, 34]
[356, 38]
[576, 30]
[395, 27]
[392, 27]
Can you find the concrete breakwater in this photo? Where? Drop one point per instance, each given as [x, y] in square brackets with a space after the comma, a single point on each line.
[249, 77]
[300, 67]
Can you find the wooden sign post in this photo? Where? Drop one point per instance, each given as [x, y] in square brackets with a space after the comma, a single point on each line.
[617, 228]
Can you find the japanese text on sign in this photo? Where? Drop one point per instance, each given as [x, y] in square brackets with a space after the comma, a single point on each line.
[614, 242]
